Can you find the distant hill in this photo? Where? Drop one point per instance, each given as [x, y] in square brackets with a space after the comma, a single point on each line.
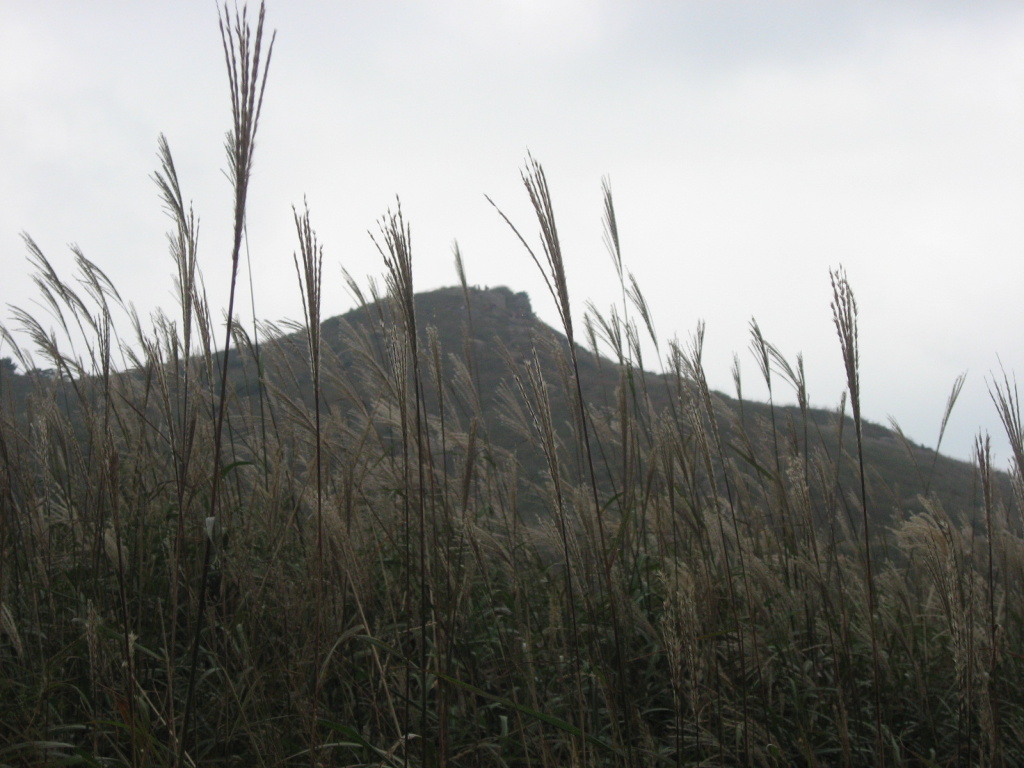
[474, 343]
[482, 337]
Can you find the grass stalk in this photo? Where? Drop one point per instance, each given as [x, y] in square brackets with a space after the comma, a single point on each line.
[844, 315]
[309, 272]
[243, 56]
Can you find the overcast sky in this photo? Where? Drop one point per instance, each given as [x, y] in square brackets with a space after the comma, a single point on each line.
[751, 147]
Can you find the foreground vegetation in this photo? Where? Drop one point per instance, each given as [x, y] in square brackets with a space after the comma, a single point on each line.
[196, 572]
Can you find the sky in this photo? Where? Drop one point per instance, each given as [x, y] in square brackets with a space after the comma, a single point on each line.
[751, 147]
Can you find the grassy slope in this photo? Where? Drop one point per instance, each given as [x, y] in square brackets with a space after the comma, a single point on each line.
[719, 616]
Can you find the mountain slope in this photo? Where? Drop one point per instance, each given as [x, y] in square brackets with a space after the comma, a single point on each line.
[487, 366]
[477, 349]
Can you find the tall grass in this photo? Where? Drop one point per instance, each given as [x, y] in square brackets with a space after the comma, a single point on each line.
[359, 542]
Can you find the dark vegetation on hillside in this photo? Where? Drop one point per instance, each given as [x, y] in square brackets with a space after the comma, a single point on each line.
[483, 337]
[437, 532]
[492, 333]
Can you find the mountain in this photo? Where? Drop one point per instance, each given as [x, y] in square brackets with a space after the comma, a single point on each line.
[487, 366]
[477, 347]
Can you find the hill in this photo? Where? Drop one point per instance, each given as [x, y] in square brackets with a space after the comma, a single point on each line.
[477, 348]
[486, 361]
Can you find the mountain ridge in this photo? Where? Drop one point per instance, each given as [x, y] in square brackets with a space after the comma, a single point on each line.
[478, 348]
[493, 331]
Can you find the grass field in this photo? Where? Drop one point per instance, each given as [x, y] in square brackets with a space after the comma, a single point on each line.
[188, 577]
